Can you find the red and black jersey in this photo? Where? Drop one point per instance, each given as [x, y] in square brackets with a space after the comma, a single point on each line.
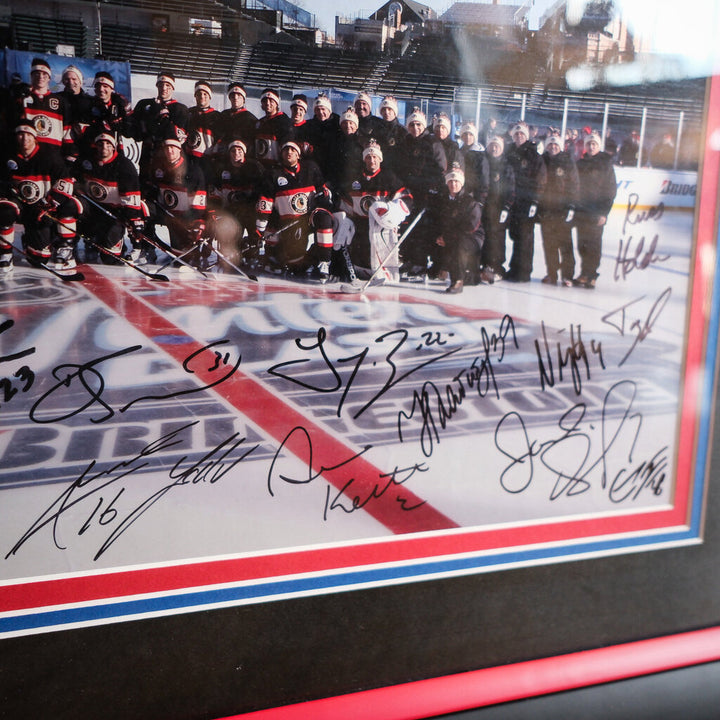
[202, 130]
[238, 185]
[32, 179]
[152, 121]
[291, 193]
[237, 124]
[271, 133]
[49, 115]
[113, 183]
[179, 189]
[364, 190]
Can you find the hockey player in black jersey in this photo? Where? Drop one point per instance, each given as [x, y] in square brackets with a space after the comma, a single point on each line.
[110, 180]
[233, 193]
[37, 192]
[297, 203]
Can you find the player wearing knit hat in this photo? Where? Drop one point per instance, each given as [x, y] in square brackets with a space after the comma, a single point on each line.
[530, 178]
[203, 131]
[597, 190]
[498, 203]
[237, 121]
[557, 209]
[272, 130]
[455, 226]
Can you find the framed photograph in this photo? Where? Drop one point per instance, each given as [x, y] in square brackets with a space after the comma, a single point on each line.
[242, 492]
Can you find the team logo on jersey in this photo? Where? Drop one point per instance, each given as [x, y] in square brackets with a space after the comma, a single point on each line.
[299, 203]
[262, 147]
[12, 165]
[194, 140]
[282, 181]
[366, 202]
[181, 135]
[87, 165]
[43, 125]
[97, 191]
[170, 199]
[29, 191]
[356, 185]
[226, 175]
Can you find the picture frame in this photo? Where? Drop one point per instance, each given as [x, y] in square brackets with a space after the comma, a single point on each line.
[451, 610]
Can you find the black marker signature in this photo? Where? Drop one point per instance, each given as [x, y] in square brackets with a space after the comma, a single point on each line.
[626, 262]
[91, 381]
[438, 405]
[108, 510]
[633, 216]
[569, 456]
[573, 355]
[618, 319]
[23, 378]
[332, 382]
[358, 499]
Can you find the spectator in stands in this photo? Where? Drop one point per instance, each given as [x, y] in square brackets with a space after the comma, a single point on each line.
[272, 130]
[488, 130]
[557, 210]
[663, 153]
[237, 121]
[629, 149]
[597, 190]
[499, 202]
[611, 147]
[530, 179]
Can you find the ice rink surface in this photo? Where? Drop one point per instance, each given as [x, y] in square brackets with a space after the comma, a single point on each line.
[147, 422]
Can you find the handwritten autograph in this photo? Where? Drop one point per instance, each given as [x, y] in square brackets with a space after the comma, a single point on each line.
[92, 383]
[570, 458]
[431, 402]
[103, 490]
[23, 376]
[355, 493]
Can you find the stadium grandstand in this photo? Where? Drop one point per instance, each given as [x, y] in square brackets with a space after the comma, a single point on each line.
[456, 59]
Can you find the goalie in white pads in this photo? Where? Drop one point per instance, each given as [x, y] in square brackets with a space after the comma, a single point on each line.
[375, 231]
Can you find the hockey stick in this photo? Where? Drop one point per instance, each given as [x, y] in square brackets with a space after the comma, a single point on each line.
[156, 243]
[33, 262]
[109, 253]
[348, 288]
[244, 275]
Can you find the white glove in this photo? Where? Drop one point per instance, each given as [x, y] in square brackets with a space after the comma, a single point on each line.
[570, 216]
[389, 215]
[532, 210]
[343, 230]
[503, 217]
